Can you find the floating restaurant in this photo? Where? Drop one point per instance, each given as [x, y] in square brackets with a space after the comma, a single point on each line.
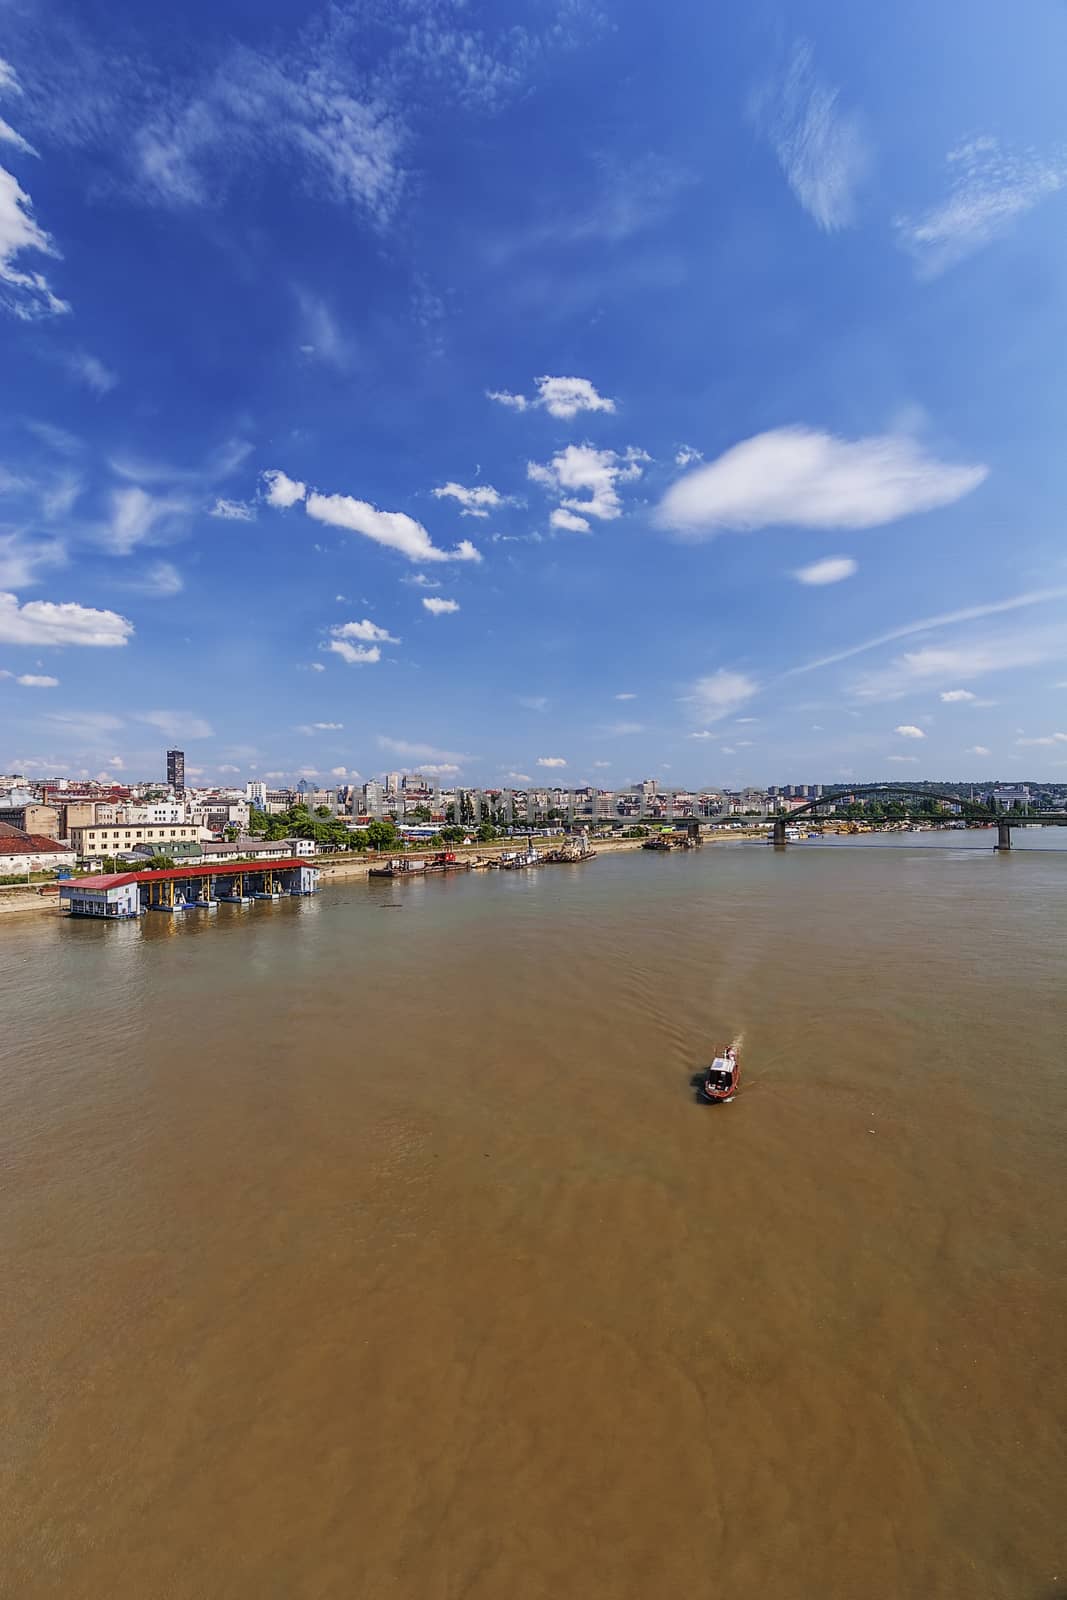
[176, 889]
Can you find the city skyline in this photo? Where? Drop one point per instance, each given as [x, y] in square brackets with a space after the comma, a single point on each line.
[381, 397]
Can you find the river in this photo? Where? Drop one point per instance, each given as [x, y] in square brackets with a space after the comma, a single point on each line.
[373, 1245]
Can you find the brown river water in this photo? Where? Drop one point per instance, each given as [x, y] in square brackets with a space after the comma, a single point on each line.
[374, 1247]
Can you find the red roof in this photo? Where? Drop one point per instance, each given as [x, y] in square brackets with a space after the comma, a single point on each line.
[117, 880]
[31, 844]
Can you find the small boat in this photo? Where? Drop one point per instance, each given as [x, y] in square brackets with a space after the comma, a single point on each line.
[722, 1078]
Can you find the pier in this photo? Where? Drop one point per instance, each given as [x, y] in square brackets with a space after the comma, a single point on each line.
[121, 895]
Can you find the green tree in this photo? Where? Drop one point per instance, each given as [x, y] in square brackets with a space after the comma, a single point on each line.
[160, 863]
[382, 835]
[486, 833]
[323, 811]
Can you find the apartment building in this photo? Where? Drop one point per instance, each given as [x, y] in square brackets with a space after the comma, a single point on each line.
[108, 839]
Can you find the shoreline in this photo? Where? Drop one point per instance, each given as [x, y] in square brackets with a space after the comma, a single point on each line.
[17, 901]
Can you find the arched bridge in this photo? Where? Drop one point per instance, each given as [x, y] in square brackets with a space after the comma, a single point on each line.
[876, 791]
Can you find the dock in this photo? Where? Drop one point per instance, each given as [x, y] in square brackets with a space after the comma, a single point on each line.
[118, 896]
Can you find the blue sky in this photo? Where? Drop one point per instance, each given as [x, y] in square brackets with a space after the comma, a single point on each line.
[547, 389]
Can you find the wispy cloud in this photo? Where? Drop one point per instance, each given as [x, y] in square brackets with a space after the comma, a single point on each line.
[972, 658]
[989, 189]
[802, 478]
[416, 751]
[551, 761]
[37, 680]
[952, 697]
[476, 502]
[23, 561]
[177, 724]
[347, 141]
[233, 511]
[440, 608]
[138, 517]
[91, 371]
[821, 148]
[161, 581]
[927, 624]
[719, 694]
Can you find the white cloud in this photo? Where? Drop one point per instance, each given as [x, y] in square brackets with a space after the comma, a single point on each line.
[234, 510]
[1046, 739]
[229, 770]
[476, 502]
[687, 457]
[830, 570]
[946, 619]
[416, 751]
[354, 654]
[953, 696]
[602, 764]
[978, 750]
[440, 608]
[904, 760]
[316, 666]
[366, 630]
[25, 294]
[534, 702]
[177, 724]
[551, 761]
[31, 680]
[582, 469]
[626, 697]
[560, 397]
[91, 371]
[568, 521]
[281, 491]
[419, 580]
[727, 750]
[908, 730]
[989, 188]
[42, 622]
[394, 529]
[503, 397]
[566, 397]
[518, 777]
[821, 149]
[799, 477]
[703, 734]
[19, 561]
[319, 727]
[719, 694]
[439, 769]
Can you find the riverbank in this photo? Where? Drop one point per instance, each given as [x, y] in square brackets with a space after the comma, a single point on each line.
[19, 899]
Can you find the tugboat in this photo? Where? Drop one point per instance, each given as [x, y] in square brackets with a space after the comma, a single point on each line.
[721, 1080]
